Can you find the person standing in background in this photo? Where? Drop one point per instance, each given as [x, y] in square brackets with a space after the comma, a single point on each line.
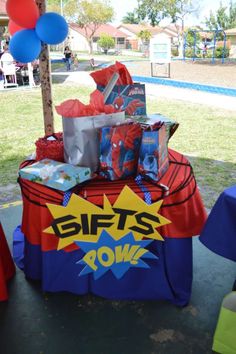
[68, 58]
[76, 62]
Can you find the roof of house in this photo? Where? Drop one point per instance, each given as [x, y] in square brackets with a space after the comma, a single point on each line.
[104, 28]
[3, 13]
[231, 31]
[135, 29]
[3, 7]
[172, 29]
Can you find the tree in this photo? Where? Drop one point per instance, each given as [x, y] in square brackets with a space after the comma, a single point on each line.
[223, 18]
[131, 17]
[175, 10]
[144, 35]
[106, 42]
[91, 15]
[232, 15]
[67, 8]
[191, 38]
[218, 20]
[153, 10]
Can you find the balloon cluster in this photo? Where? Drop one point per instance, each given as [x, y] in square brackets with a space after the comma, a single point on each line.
[29, 29]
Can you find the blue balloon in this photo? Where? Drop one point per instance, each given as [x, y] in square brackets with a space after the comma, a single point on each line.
[51, 28]
[25, 46]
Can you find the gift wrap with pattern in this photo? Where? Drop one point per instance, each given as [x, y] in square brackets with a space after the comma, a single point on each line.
[54, 174]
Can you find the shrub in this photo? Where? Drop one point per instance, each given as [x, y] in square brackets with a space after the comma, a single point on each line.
[106, 42]
[189, 53]
[220, 51]
[174, 52]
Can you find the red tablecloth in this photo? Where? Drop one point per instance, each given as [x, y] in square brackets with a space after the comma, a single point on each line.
[7, 267]
[182, 203]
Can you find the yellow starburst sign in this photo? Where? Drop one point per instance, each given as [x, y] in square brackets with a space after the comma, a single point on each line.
[81, 220]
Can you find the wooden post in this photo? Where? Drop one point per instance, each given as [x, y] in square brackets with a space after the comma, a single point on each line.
[46, 81]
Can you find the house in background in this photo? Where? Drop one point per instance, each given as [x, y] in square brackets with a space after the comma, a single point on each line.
[231, 36]
[77, 37]
[132, 30]
[4, 19]
[3, 14]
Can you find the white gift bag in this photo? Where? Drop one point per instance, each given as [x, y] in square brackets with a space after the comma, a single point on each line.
[80, 136]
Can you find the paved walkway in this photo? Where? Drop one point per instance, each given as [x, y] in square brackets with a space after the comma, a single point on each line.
[159, 91]
[194, 96]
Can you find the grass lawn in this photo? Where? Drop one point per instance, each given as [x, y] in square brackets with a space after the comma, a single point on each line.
[207, 136]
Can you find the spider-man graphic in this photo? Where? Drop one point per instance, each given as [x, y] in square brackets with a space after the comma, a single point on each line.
[153, 157]
[119, 150]
[131, 108]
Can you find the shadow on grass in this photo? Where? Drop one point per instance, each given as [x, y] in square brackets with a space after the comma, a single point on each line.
[59, 79]
[213, 176]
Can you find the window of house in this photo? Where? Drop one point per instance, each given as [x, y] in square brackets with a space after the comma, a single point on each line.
[120, 40]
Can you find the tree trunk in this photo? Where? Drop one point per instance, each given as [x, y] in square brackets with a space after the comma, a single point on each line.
[46, 82]
[90, 43]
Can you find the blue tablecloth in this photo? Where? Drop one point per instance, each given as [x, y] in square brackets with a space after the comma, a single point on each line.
[219, 233]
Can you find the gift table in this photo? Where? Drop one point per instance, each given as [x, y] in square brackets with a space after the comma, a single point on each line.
[222, 224]
[169, 277]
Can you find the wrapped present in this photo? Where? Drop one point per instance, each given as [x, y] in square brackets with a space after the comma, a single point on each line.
[60, 176]
[153, 155]
[153, 119]
[119, 148]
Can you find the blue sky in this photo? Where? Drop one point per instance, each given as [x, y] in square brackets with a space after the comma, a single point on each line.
[121, 7]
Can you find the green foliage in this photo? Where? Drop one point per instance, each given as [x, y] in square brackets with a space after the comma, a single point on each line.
[156, 10]
[224, 18]
[220, 52]
[131, 17]
[94, 12]
[106, 42]
[174, 52]
[153, 10]
[68, 9]
[144, 35]
[91, 15]
[190, 38]
[232, 15]
[189, 52]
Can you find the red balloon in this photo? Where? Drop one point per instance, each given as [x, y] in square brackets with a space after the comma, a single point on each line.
[13, 27]
[24, 13]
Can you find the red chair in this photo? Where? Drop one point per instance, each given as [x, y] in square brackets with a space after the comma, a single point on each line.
[7, 267]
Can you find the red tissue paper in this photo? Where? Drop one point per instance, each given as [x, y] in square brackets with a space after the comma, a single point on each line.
[75, 108]
[50, 149]
[102, 77]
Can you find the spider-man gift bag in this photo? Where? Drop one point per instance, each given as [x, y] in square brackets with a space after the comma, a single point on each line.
[119, 150]
[128, 98]
[153, 155]
[125, 95]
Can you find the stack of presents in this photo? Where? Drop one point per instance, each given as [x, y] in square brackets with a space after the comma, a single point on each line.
[112, 137]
